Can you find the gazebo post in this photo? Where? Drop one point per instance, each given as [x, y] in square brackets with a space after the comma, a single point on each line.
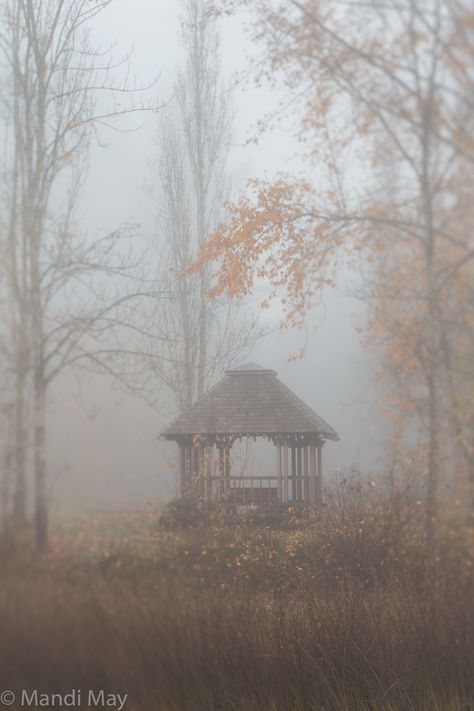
[208, 459]
[202, 471]
[299, 481]
[182, 467]
[220, 487]
[293, 472]
[195, 470]
[187, 470]
[312, 473]
[285, 471]
[319, 480]
[306, 473]
[227, 469]
[279, 472]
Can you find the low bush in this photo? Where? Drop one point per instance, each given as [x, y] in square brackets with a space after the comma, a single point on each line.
[361, 532]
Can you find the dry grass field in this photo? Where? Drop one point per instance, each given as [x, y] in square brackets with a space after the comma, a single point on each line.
[289, 610]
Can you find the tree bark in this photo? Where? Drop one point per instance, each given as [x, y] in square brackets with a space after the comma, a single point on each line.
[20, 437]
[40, 462]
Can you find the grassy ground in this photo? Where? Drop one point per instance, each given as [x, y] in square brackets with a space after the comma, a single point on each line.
[340, 611]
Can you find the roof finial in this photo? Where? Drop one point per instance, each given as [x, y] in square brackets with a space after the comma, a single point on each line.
[250, 368]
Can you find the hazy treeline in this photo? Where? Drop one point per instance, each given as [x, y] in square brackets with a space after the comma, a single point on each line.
[385, 90]
[75, 301]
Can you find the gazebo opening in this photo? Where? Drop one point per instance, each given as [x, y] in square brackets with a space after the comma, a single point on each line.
[250, 403]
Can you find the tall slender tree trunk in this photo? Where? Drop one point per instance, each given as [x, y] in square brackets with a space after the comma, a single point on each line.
[432, 376]
[40, 461]
[201, 208]
[433, 464]
[17, 267]
[187, 348]
[39, 411]
[203, 331]
[19, 454]
[433, 390]
[6, 479]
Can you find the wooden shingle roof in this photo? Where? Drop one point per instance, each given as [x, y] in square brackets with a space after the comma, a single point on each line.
[249, 400]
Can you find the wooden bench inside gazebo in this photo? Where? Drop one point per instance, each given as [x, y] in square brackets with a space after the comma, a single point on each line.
[250, 402]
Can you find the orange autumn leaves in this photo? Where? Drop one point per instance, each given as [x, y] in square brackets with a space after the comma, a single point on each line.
[272, 234]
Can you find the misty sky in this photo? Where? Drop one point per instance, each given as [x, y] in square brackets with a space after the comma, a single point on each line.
[104, 443]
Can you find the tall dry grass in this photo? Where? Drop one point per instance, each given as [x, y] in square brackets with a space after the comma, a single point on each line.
[358, 619]
[353, 649]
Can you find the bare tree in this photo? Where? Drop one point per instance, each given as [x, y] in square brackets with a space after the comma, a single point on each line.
[198, 337]
[59, 306]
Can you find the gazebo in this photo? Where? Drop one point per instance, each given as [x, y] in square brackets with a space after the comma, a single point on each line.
[250, 402]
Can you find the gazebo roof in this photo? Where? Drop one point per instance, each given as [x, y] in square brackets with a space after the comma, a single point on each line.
[249, 400]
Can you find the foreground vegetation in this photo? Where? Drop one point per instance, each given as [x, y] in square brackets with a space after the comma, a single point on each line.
[286, 609]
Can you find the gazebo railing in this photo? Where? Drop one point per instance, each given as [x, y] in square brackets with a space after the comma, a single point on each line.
[251, 489]
[298, 475]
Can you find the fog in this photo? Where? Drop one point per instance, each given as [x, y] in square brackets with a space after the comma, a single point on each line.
[236, 354]
[104, 446]
[103, 431]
